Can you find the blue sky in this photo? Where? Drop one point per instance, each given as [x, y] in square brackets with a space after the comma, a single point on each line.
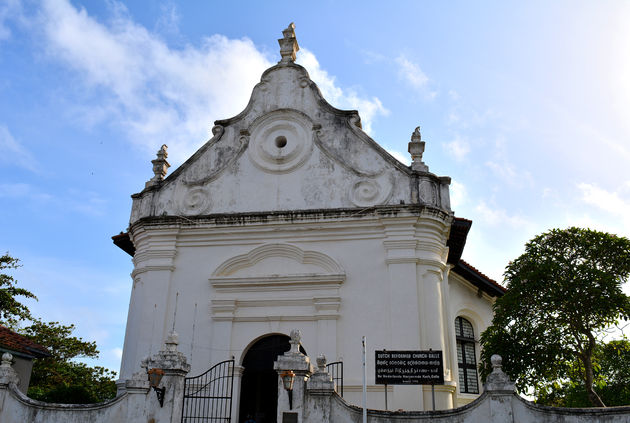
[524, 104]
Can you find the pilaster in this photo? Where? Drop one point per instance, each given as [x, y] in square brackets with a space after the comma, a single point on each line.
[401, 259]
[152, 300]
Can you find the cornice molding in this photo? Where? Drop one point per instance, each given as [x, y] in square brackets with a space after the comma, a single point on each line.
[278, 318]
[277, 282]
[140, 270]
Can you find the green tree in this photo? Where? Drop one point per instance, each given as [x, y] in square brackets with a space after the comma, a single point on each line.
[59, 378]
[563, 293]
[611, 379]
[11, 310]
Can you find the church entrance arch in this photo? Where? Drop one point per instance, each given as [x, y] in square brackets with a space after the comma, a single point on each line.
[259, 383]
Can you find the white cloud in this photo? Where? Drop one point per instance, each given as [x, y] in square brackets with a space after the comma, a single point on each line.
[548, 192]
[168, 21]
[608, 201]
[401, 157]
[458, 194]
[453, 95]
[164, 95]
[158, 94]
[8, 8]
[411, 73]
[505, 170]
[615, 203]
[13, 152]
[338, 97]
[370, 57]
[458, 148]
[116, 353]
[495, 216]
[83, 202]
[22, 190]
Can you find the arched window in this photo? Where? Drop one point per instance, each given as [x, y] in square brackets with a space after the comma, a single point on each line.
[467, 364]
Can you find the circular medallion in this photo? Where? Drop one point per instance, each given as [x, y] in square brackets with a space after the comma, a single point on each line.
[195, 201]
[280, 142]
[365, 192]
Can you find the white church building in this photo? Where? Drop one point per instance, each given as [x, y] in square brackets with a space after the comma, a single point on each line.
[292, 217]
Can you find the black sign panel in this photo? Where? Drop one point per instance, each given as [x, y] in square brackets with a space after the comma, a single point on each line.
[409, 368]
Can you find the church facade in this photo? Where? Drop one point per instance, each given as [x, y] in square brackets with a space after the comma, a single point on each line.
[291, 216]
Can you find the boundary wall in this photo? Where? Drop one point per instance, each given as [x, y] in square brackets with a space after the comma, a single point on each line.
[314, 399]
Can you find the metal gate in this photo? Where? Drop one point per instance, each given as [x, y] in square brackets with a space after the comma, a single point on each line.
[208, 397]
[336, 371]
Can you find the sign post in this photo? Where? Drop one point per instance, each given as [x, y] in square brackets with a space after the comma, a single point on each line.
[364, 380]
[409, 368]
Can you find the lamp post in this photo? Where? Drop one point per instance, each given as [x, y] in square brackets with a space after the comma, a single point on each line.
[155, 377]
[288, 378]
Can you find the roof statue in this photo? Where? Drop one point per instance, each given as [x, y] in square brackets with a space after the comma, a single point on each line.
[288, 44]
[416, 149]
[160, 166]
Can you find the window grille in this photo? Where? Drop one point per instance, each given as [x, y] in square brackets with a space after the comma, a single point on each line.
[466, 361]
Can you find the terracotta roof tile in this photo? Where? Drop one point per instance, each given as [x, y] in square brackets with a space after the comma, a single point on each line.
[482, 276]
[17, 343]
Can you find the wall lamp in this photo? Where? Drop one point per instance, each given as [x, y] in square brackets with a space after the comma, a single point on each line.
[155, 377]
[287, 381]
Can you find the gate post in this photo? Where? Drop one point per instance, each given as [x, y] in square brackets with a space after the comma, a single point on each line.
[175, 367]
[319, 391]
[296, 362]
[500, 393]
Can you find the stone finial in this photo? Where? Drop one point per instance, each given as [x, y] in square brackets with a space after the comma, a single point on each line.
[416, 149]
[416, 136]
[160, 166]
[172, 340]
[7, 373]
[498, 380]
[296, 337]
[288, 44]
[7, 359]
[497, 363]
[169, 358]
[321, 363]
[321, 381]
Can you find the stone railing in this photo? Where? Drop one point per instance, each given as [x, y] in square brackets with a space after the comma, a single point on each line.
[135, 401]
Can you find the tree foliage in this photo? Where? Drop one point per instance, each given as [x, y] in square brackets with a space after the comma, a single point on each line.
[563, 293]
[59, 378]
[611, 363]
[11, 310]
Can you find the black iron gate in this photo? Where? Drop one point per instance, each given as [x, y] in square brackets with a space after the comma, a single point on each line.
[208, 397]
[336, 371]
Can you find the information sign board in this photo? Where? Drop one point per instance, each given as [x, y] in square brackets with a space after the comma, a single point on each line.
[409, 367]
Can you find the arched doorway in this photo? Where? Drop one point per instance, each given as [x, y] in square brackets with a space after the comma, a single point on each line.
[259, 383]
